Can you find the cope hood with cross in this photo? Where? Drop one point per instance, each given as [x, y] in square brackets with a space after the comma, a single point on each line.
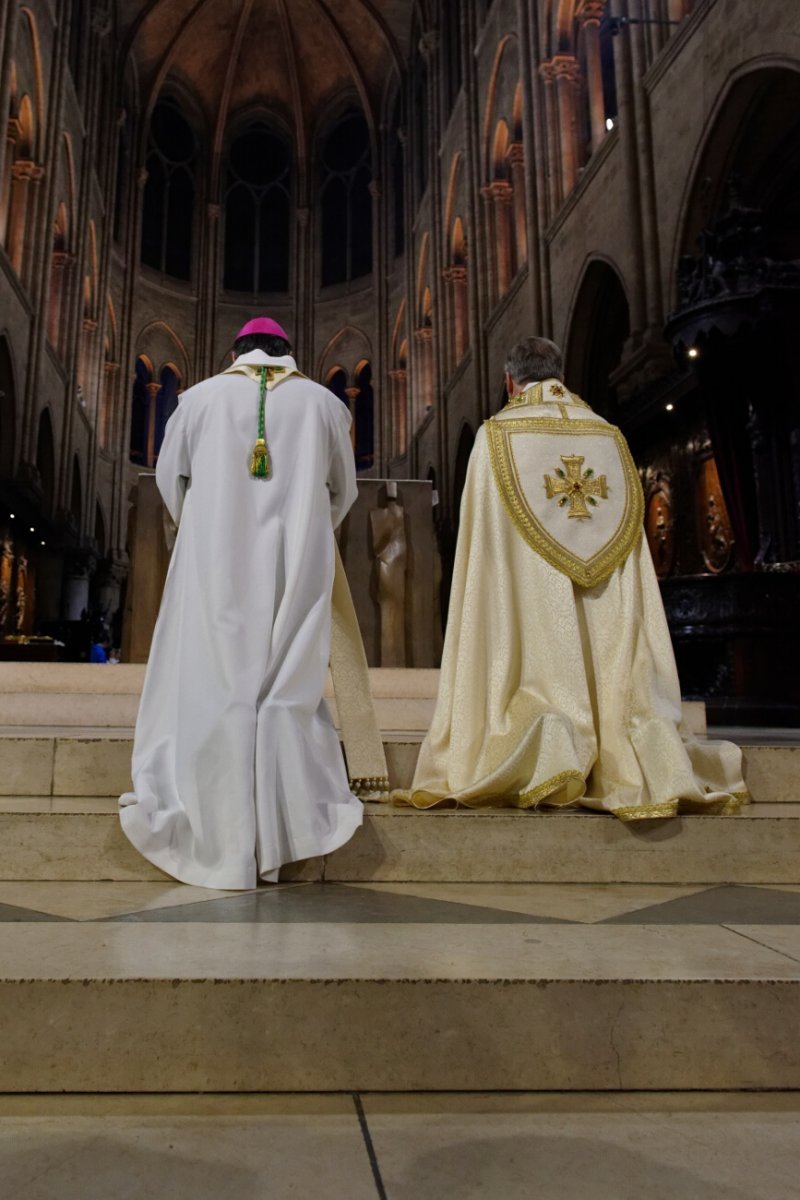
[568, 481]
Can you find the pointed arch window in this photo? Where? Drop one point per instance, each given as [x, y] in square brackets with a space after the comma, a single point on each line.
[346, 175]
[155, 399]
[169, 194]
[365, 417]
[257, 212]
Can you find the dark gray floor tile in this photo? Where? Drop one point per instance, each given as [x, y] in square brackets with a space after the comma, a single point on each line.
[10, 912]
[719, 906]
[336, 903]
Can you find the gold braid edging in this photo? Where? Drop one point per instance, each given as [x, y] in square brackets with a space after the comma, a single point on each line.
[544, 790]
[527, 799]
[606, 561]
[673, 808]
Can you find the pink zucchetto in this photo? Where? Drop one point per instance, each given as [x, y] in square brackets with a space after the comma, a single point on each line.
[263, 325]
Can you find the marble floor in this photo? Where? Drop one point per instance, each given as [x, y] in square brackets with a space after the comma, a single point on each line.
[670, 1146]
[607, 1145]
[345, 904]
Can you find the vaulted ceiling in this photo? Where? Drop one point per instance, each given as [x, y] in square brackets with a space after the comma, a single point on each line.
[290, 56]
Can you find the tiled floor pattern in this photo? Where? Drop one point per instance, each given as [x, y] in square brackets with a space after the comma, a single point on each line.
[404, 904]
[401, 1147]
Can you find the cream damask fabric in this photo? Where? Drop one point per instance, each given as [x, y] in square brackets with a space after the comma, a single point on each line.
[556, 694]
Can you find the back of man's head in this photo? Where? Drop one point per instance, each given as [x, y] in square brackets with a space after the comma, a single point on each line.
[534, 360]
[270, 343]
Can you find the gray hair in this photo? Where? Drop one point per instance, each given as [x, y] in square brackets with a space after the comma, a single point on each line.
[534, 360]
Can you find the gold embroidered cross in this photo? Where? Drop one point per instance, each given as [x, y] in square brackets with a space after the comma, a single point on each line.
[576, 488]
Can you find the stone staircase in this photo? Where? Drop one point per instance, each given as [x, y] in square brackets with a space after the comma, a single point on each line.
[90, 1007]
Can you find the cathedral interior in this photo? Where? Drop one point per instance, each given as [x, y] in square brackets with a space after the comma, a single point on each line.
[410, 188]
[454, 1004]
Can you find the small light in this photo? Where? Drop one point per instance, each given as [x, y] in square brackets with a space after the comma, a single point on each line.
[33, 530]
[11, 515]
[609, 123]
[42, 543]
[693, 352]
[669, 407]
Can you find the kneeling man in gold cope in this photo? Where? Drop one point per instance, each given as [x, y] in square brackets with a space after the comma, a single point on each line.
[558, 683]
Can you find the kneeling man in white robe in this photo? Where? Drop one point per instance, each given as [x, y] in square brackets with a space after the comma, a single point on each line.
[237, 768]
[558, 684]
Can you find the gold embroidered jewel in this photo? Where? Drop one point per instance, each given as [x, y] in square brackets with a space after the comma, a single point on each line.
[575, 487]
[557, 390]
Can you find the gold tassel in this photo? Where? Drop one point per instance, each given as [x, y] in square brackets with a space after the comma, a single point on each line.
[260, 467]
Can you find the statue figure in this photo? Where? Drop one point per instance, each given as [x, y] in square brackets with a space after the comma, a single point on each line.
[6, 567]
[22, 595]
[390, 549]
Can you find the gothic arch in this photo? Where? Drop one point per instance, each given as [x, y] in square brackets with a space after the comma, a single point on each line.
[346, 159]
[599, 326]
[501, 94]
[37, 80]
[160, 345]
[764, 94]
[453, 190]
[348, 347]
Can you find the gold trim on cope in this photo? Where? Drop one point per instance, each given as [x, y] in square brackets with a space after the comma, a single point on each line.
[543, 791]
[628, 533]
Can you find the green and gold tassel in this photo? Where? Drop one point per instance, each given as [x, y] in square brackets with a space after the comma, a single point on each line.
[260, 465]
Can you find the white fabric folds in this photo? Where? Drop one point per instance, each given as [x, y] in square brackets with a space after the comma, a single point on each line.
[237, 768]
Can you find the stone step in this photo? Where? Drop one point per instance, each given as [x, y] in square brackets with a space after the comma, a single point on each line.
[65, 761]
[79, 838]
[80, 695]
[262, 1007]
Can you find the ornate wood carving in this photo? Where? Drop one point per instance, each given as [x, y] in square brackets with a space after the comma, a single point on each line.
[716, 534]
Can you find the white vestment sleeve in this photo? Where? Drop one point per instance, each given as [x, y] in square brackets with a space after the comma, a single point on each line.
[173, 469]
[342, 470]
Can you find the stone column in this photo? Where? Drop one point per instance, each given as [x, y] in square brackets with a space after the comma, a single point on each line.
[105, 432]
[59, 281]
[304, 285]
[589, 16]
[13, 133]
[424, 399]
[208, 297]
[502, 197]
[567, 75]
[552, 138]
[399, 380]
[78, 569]
[516, 166]
[352, 394]
[490, 241]
[23, 173]
[380, 458]
[88, 330]
[456, 279]
[152, 397]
